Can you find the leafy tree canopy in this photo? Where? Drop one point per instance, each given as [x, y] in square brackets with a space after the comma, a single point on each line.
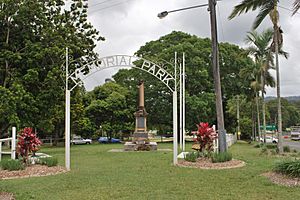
[199, 78]
[33, 37]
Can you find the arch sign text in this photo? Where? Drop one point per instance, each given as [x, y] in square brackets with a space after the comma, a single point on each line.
[87, 70]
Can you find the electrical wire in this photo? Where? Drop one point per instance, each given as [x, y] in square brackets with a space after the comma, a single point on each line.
[220, 21]
[99, 3]
[111, 6]
[288, 9]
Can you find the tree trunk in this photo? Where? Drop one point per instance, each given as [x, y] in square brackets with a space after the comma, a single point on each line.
[254, 122]
[216, 74]
[263, 105]
[278, 89]
[6, 72]
[258, 118]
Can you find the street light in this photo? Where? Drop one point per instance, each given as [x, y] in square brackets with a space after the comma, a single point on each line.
[165, 13]
[215, 65]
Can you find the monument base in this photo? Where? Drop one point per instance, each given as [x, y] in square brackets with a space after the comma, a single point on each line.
[140, 146]
[138, 135]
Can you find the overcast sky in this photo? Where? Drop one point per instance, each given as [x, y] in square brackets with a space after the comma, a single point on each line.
[129, 24]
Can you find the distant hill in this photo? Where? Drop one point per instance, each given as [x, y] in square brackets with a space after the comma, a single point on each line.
[289, 98]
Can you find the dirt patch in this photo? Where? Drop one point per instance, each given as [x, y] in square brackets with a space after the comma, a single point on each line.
[205, 163]
[6, 196]
[32, 171]
[281, 179]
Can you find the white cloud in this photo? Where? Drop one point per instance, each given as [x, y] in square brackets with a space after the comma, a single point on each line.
[129, 24]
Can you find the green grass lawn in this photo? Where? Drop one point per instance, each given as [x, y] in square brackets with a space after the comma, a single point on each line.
[98, 174]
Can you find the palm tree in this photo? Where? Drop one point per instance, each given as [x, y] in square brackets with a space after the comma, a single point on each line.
[253, 76]
[296, 6]
[261, 52]
[266, 7]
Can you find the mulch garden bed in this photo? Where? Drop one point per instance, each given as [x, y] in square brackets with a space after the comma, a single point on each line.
[205, 163]
[6, 196]
[32, 171]
[282, 179]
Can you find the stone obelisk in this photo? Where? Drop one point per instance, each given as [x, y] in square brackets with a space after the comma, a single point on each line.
[140, 141]
[140, 134]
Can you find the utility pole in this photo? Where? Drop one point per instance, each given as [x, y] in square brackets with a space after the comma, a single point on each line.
[216, 74]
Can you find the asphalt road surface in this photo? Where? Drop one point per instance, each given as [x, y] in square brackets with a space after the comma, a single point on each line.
[292, 144]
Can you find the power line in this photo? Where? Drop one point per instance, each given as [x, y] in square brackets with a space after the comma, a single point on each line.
[113, 5]
[100, 3]
[220, 21]
[103, 2]
[287, 9]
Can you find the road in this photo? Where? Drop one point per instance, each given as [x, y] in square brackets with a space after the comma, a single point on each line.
[292, 144]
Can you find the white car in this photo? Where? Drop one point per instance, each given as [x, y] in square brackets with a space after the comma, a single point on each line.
[80, 140]
[295, 133]
[269, 139]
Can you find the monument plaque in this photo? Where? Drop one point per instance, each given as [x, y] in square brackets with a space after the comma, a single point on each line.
[141, 123]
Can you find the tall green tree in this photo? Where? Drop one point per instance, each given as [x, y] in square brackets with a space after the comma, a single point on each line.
[33, 37]
[291, 114]
[252, 74]
[263, 55]
[109, 108]
[263, 58]
[267, 7]
[199, 79]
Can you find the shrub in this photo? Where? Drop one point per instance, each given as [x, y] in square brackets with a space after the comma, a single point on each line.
[49, 161]
[264, 150]
[221, 157]
[288, 167]
[12, 165]
[27, 143]
[257, 146]
[191, 157]
[273, 152]
[271, 146]
[205, 137]
[295, 151]
[286, 149]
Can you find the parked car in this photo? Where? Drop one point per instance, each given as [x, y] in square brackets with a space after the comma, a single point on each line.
[115, 140]
[103, 140]
[295, 133]
[80, 140]
[106, 140]
[269, 139]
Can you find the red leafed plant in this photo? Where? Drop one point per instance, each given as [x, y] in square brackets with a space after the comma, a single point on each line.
[205, 137]
[28, 142]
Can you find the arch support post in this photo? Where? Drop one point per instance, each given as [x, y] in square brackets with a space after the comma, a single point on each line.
[175, 148]
[67, 116]
[67, 131]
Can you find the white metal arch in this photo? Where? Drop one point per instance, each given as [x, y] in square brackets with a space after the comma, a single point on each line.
[86, 70]
[95, 66]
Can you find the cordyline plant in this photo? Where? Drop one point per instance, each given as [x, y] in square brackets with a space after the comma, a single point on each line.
[205, 137]
[28, 142]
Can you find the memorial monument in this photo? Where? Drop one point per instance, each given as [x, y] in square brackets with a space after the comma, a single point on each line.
[140, 141]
